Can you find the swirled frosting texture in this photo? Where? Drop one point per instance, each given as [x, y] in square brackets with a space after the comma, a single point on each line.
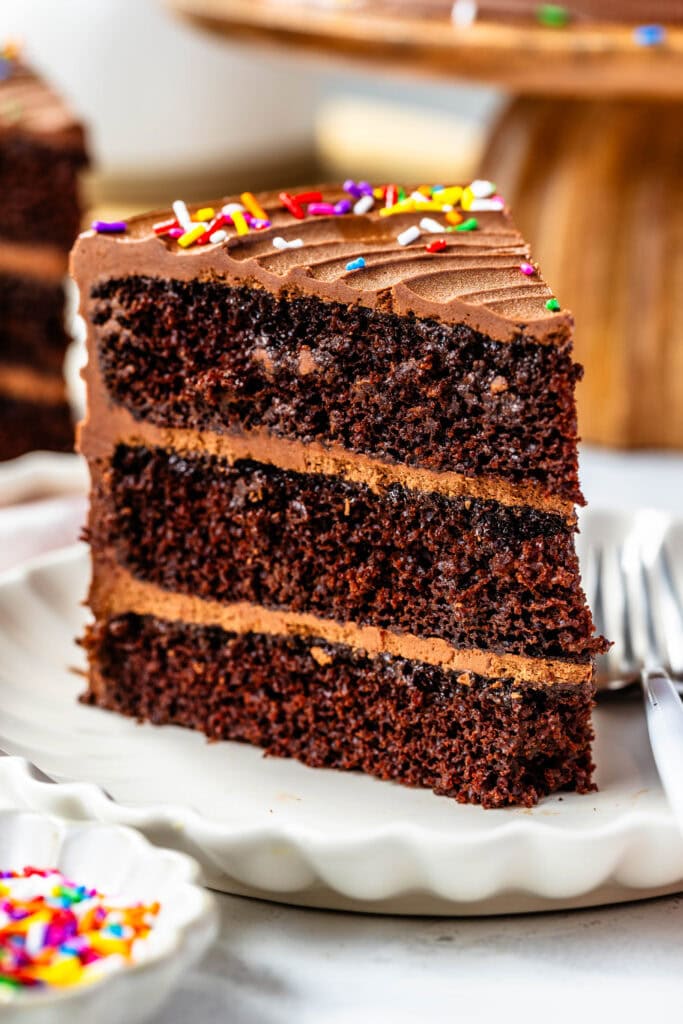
[475, 280]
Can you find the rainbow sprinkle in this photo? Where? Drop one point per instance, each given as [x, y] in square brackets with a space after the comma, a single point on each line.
[649, 35]
[109, 227]
[207, 225]
[553, 305]
[356, 264]
[56, 933]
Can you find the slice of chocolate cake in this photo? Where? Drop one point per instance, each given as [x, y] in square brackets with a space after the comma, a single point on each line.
[332, 439]
[41, 153]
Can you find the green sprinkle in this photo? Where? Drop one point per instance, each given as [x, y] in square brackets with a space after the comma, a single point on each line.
[471, 224]
[552, 15]
[10, 982]
[553, 305]
[401, 194]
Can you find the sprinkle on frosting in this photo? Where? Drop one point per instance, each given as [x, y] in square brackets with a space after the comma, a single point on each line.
[56, 933]
[649, 35]
[358, 264]
[109, 227]
[527, 268]
[552, 15]
[553, 305]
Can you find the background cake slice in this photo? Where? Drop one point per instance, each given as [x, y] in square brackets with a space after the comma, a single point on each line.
[332, 439]
[42, 150]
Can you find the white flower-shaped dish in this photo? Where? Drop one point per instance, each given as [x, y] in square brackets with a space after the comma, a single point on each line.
[119, 862]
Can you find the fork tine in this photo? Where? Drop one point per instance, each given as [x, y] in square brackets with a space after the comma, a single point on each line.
[671, 613]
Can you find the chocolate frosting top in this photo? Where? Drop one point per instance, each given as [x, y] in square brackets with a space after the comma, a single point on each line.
[28, 105]
[475, 280]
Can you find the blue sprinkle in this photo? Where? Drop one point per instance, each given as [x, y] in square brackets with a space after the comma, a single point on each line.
[649, 35]
[356, 264]
[114, 929]
[438, 188]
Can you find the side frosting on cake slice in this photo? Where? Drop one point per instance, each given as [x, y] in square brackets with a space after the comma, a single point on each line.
[42, 151]
[332, 439]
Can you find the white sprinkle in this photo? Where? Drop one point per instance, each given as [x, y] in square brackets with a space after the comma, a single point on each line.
[35, 936]
[281, 243]
[464, 12]
[447, 207]
[218, 236]
[182, 215]
[486, 204]
[429, 224]
[481, 189]
[231, 208]
[418, 197]
[364, 205]
[408, 236]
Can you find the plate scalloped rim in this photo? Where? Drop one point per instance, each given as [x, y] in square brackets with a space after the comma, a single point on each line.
[433, 857]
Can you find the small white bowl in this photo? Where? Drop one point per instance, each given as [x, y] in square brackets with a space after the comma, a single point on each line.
[119, 862]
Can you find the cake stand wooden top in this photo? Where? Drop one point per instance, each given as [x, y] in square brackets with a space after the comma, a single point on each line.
[586, 60]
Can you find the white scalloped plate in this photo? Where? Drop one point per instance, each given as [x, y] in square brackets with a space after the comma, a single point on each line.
[274, 828]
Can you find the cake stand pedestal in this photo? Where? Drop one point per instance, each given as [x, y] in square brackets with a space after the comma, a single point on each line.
[589, 155]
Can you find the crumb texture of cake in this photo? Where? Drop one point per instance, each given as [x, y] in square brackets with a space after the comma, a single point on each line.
[42, 152]
[477, 740]
[334, 476]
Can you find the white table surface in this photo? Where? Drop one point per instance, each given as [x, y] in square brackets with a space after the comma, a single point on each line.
[281, 965]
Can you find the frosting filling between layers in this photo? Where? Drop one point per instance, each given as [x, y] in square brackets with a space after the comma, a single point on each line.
[115, 591]
[475, 573]
[111, 425]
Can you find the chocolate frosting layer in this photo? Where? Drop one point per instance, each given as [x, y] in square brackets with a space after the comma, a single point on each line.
[115, 591]
[475, 280]
[29, 106]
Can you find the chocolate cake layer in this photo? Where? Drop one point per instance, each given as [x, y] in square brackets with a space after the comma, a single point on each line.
[39, 186]
[27, 425]
[32, 328]
[475, 739]
[442, 396]
[475, 573]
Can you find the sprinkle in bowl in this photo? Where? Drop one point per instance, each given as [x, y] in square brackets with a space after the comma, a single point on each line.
[95, 922]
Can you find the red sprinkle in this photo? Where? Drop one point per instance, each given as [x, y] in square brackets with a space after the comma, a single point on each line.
[391, 195]
[291, 204]
[308, 197]
[438, 245]
[218, 221]
[164, 226]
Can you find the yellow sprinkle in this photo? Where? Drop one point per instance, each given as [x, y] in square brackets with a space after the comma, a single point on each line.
[404, 206]
[467, 198]
[453, 218]
[62, 973]
[206, 213]
[451, 195]
[240, 223]
[431, 204]
[253, 206]
[108, 946]
[378, 193]
[191, 236]
[426, 190]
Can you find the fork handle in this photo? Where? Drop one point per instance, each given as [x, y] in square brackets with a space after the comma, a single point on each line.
[664, 712]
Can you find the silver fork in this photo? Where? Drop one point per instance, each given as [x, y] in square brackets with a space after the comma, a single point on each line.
[633, 574]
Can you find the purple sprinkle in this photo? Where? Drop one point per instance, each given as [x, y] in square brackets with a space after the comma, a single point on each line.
[109, 227]
[351, 187]
[321, 209]
[365, 188]
[343, 206]
[258, 224]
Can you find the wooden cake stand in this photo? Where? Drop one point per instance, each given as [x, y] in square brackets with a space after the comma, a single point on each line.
[589, 155]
